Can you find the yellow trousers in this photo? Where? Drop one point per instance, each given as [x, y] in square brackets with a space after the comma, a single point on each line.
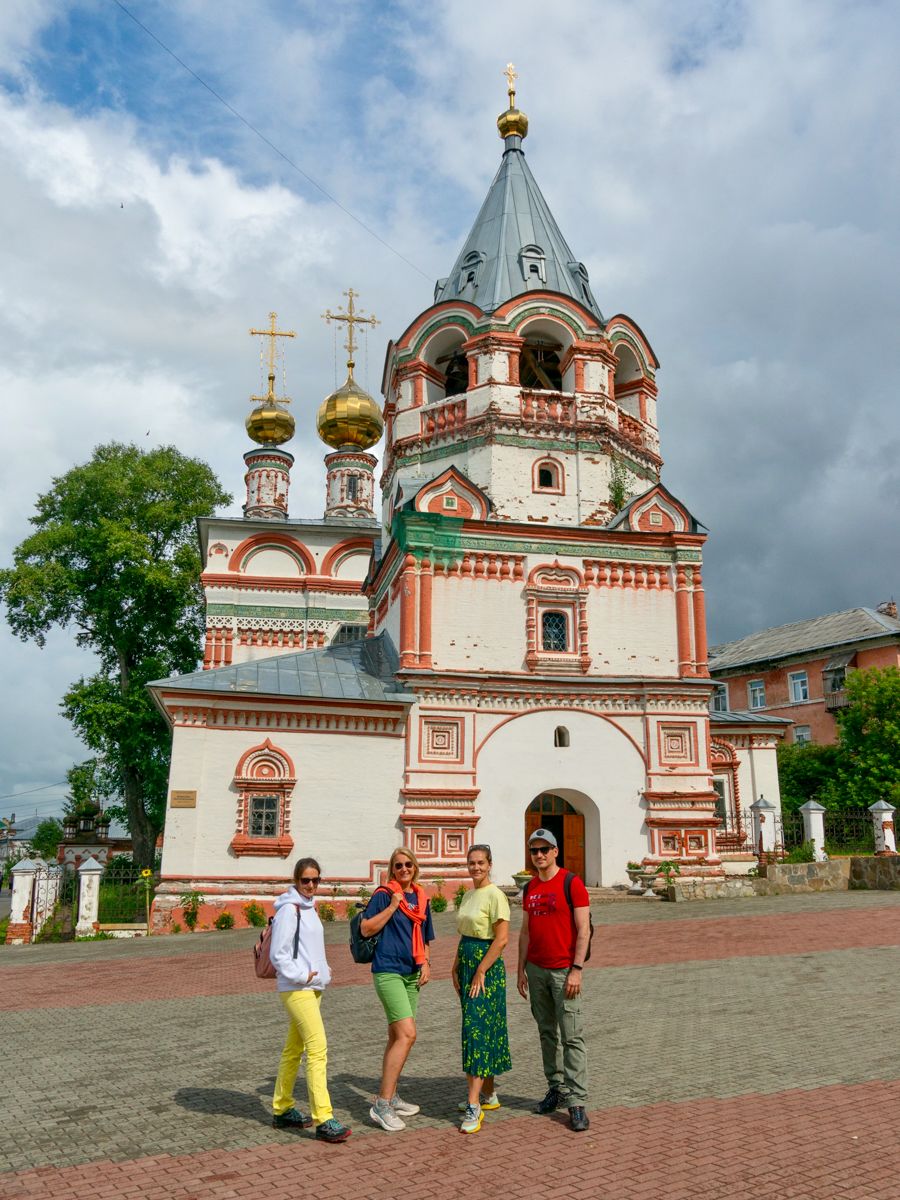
[305, 1032]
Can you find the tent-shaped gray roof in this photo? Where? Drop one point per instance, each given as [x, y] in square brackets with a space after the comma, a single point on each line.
[514, 230]
[803, 637]
[363, 670]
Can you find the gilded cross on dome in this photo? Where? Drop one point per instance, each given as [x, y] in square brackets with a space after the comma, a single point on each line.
[350, 318]
[511, 76]
[271, 333]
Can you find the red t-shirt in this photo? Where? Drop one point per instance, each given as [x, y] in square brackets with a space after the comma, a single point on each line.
[551, 924]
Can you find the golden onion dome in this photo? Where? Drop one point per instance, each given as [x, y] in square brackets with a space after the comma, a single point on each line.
[512, 123]
[349, 417]
[270, 425]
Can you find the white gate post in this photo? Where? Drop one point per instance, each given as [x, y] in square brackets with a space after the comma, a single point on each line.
[883, 820]
[763, 814]
[814, 827]
[19, 930]
[88, 897]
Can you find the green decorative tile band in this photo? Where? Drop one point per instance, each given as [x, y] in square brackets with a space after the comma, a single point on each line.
[354, 615]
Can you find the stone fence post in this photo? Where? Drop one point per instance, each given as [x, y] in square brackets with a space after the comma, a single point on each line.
[763, 813]
[88, 897]
[19, 931]
[813, 815]
[883, 821]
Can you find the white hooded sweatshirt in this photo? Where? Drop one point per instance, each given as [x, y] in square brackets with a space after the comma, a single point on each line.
[293, 973]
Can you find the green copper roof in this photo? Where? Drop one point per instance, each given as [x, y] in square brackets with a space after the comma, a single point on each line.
[515, 246]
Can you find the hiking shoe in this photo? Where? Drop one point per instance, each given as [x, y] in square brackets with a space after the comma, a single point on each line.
[550, 1102]
[403, 1108]
[471, 1122]
[332, 1131]
[488, 1103]
[382, 1114]
[578, 1118]
[291, 1118]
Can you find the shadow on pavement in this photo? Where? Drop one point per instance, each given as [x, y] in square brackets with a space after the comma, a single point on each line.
[224, 1102]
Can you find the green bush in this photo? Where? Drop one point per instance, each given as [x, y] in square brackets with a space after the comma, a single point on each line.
[176, 928]
[255, 914]
[438, 903]
[801, 854]
[225, 920]
[190, 906]
[326, 912]
[459, 894]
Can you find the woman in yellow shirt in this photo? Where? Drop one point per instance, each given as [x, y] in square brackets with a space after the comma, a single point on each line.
[480, 981]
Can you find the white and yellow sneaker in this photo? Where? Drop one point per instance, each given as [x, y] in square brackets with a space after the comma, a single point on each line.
[488, 1103]
[471, 1122]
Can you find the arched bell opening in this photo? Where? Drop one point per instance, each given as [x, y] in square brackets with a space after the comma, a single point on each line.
[445, 354]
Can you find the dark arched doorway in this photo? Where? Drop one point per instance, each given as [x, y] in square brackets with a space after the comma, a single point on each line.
[566, 823]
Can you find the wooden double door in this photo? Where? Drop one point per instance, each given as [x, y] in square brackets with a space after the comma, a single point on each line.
[549, 811]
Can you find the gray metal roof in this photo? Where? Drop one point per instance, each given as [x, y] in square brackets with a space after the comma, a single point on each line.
[803, 637]
[362, 670]
[515, 217]
[744, 717]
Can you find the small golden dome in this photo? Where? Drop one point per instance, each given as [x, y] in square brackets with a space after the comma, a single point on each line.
[349, 417]
[512, 123]
[270, 425]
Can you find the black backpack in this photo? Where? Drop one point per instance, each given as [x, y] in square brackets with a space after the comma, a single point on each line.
[362, 949]
[567, 889]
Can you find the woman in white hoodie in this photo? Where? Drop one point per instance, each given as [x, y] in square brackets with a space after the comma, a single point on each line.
[297, 952]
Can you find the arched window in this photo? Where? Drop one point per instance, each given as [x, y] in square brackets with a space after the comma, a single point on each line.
[554, 630]
[550, 805]
[560, 737]
[547, 476]
[349, 633]
[539, 364]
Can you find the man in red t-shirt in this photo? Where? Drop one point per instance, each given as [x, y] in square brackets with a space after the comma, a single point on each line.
[553, 943]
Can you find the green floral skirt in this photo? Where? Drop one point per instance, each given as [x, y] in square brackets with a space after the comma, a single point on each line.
[485, 1039]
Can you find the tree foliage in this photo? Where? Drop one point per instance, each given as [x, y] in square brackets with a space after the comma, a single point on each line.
[808, 772]
[114, 556]
[870, 737]
[46, 838]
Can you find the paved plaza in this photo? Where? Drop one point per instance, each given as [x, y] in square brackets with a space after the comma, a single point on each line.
[737, 1049]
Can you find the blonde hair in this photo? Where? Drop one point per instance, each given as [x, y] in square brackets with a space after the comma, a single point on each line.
[412, 858]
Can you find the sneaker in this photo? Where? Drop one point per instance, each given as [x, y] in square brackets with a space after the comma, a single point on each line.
[382, 1114]
[578, 1118]
[550, 1102]
[403, 1108]
[332, 1131]
[471, 1122]
[488, 1103]
[291, 1118]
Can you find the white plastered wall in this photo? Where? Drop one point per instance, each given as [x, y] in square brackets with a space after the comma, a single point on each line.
[601, 773]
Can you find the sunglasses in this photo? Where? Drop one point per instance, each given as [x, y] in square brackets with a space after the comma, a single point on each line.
[481, 846]
[315, 880]
[540, 849]
[401, 866]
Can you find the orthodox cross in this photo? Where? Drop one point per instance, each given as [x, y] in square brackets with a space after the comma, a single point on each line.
[351, 319]
[511, 76]
[271, 333]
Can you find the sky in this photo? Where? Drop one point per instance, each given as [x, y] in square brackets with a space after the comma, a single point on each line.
[728, 172]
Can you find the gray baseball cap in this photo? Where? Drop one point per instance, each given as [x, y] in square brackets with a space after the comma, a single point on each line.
[543, 835]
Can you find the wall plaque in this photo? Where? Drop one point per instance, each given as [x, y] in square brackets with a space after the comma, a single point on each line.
[183, 800]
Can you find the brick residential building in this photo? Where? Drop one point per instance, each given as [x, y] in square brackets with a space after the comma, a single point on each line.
[798, 671]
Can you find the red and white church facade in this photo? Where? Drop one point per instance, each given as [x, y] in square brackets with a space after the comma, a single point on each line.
[518, 639]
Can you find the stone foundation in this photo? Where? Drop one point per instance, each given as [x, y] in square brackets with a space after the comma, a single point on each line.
[730, 888]
[784, 878]
[877, 872]
[881, 873]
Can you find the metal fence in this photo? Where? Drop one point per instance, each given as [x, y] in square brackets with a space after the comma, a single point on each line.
[121, 893]
[848, 831]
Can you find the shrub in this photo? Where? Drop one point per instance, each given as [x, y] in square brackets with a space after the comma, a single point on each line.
[438, 903]
[176, 928]
[459, 894]
[326, 912]
[365, 896]
[225, 920]
[802, 854]
[190, 906]
[255, 914]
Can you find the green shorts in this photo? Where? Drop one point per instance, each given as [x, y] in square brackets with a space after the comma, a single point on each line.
[399, 994]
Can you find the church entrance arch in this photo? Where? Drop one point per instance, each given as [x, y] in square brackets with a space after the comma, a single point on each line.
[556, 814]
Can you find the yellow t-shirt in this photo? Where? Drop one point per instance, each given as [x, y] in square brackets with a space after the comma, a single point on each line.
[480, 908]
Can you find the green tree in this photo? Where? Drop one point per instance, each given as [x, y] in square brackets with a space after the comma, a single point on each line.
[809, 772]
[114, 556]
[619, 484]
[870, 736]
[46, 838]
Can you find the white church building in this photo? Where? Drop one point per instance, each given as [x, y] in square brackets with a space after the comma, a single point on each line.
[515, 637]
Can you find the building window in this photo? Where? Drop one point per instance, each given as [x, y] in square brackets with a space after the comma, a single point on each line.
[349, 633]
[353, 487]
[798, 681]
[554, 631]
[561, 737]
[720, 787]
[264, 816]
[718, 701]
[802, 735]
[756, 693]
[547, 476]
[834, 680]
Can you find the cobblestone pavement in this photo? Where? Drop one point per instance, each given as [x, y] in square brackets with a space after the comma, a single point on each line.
[737, 1048]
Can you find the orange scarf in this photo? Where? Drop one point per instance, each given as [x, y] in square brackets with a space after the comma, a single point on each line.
[416, 915]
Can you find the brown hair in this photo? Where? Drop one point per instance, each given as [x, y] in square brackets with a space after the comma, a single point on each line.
[300, 866]
[412, 858]
[485, 850]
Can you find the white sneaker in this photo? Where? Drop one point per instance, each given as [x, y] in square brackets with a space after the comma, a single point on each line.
[471, 1122]
[488, 1103]
[382, 1114]
[403, 1108]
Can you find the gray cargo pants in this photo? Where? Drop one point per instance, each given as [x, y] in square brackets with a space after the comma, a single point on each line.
[561, 1031]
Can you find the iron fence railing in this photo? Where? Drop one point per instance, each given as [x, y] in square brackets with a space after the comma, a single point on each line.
[848, 831]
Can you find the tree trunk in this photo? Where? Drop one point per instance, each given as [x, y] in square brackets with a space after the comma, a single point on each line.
[143, 835]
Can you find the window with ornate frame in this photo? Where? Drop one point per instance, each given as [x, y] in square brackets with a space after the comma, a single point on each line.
[547, 476]
[264, 780]
[556, 620]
